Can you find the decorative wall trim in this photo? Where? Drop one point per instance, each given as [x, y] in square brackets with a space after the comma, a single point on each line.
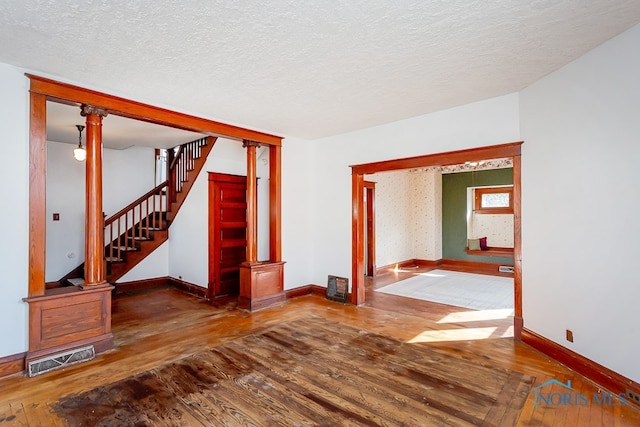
[605, 377]
[159, 282]
[187, 287]
[138, 285]
[301, 291]
[12, 364]
[474, 267]
[409, 263]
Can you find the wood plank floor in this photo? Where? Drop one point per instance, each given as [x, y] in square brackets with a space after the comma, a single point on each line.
[165, 325]
[309, 372]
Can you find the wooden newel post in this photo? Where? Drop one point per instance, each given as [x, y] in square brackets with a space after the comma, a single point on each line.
[95, 273]
[252, 208]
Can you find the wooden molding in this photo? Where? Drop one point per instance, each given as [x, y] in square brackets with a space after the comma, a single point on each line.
[357, 239]
[492, 251]
[187, 287]
[301, 291]
[74, 95]
[12, 364]
[473, 267]
[37, 193]
[409, 263]
[597, 373]
[159, 282]
[479, 209]
[370, 229]
[441, 159]
[275, 203]
[517, 245]
[255, 304]
[139, 285]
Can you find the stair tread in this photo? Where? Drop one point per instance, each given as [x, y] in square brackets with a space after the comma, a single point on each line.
[77, 281]
[124, 248]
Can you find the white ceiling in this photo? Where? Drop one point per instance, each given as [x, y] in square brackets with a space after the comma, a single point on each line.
[306, 69]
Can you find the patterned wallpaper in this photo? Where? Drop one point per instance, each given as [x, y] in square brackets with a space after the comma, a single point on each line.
[497, 228]
[393, 212]
[426, 214]
[408, 215]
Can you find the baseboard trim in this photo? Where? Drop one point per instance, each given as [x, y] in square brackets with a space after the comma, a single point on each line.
[255, 304]
[301, 291]
[409, 263]
[187, 287]
[12, 364]
[139, 285]
[476, 267]
[604, 377]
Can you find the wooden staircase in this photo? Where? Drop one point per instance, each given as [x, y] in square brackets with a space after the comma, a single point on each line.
[142, 226]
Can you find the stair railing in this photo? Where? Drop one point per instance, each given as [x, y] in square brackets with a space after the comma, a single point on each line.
[135, 222]
[148, 213]
[180, 162]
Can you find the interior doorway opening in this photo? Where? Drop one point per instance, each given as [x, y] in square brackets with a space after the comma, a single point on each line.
[510, 151]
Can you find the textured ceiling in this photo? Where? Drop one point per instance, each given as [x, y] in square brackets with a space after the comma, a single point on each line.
[306, 69]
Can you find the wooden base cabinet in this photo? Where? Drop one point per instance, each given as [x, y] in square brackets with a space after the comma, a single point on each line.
[67, 318]
[261, 285]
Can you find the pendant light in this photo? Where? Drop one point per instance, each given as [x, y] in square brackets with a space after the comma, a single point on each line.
[79, 153]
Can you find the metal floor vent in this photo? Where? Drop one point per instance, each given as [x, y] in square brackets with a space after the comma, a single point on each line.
[338, 289]
[61, 360]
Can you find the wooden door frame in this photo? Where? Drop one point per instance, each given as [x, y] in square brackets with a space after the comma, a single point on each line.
[510, 150]
[214, 261]
[370, 190]
[43, 90]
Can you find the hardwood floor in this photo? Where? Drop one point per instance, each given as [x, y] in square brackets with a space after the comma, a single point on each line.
[164, 325]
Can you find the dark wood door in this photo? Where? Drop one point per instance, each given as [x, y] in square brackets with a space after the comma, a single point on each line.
[227, 232]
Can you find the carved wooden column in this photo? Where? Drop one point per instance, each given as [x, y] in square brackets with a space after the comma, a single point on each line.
[252, 208]
[95, 274]
[261, 283]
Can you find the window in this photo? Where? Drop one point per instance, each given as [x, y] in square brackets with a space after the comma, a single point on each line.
[494, 200]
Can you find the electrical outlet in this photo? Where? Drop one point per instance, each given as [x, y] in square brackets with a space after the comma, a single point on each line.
[633, 396]
[569, 335]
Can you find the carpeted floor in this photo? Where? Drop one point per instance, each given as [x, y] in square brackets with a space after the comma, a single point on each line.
[474, 291]
[308, 372]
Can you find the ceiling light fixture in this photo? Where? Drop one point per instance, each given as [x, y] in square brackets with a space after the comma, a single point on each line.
[79, 153]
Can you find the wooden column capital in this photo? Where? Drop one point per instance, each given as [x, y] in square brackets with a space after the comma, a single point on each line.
[248, 143]
[90, 110]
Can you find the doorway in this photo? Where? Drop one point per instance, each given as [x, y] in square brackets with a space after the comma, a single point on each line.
[227, 233]
[510, 150]
[370, 235]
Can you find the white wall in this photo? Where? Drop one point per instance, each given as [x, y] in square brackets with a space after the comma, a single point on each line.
[298, 246]
[580, 204]
[489, 122]
[14, 193]
[153, 266]
[127, 175]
